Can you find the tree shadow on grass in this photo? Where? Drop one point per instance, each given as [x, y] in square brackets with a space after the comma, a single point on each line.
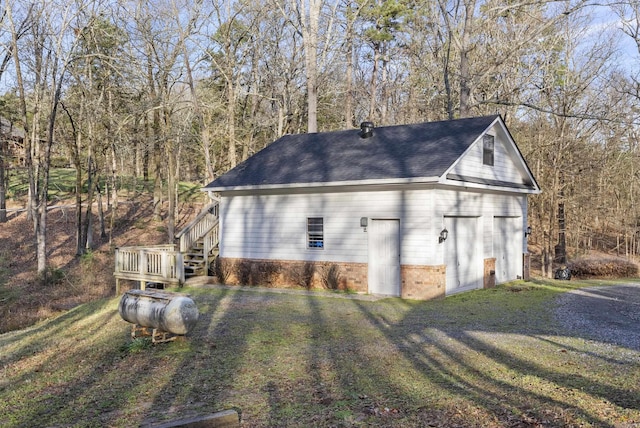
[470, 359]
[342, 377]
[207, 361]
[341, 362]
[110, 384]
[64, 395]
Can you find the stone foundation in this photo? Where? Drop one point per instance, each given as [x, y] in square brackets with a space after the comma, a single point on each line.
[489, 277]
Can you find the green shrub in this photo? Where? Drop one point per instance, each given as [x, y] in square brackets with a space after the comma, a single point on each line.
[137, 345]
[605, 267]
[87, 259]
[52, 276]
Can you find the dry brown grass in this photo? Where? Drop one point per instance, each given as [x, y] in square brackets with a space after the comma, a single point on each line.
[593, 264]
[603, 267]
[72, 280]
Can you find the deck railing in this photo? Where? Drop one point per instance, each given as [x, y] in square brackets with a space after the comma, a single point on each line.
[158, 263]
[203, 224]
[165, 263]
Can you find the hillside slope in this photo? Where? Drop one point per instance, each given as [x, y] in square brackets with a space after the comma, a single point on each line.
[72, 280]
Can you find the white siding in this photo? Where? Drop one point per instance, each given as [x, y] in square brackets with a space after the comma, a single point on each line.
[503, 169]
[507, 238]
[274, 226]
[477, 204]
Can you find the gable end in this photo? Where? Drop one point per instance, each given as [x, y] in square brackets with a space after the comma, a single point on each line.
[504, 167]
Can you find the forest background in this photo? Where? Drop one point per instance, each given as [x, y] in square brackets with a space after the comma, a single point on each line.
[183, 90]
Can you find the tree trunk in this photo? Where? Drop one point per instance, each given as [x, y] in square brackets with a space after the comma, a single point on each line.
[87, 236]
[157, 183]
[561, 246]
[114, 186]
[145, 150]
[171, 190]
[348, 108]
[74, 148]
[3, 179]
[231, 122]
[384, 101]
[465, 69]
[205, 133]
[311, 59]
[103, 232]
[205, 136]
[308, 20]
[374, 83]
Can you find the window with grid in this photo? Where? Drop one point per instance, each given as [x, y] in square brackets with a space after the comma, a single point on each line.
[487, 149]
[315, 232]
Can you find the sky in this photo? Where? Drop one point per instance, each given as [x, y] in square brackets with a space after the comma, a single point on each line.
[606, 20]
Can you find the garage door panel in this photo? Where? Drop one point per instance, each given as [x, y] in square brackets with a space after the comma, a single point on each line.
[461, 254]
[507, 247]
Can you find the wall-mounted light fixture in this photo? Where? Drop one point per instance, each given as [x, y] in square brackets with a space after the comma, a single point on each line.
[527, 231]
[444, 233]
[363, 223]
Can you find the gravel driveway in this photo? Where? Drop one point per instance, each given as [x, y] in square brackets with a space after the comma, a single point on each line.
[610, 314]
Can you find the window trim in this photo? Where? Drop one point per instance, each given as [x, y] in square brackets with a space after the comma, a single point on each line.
[488, 149]
[315, 238]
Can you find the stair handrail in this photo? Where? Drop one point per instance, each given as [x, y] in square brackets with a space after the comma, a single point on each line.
[198, 227]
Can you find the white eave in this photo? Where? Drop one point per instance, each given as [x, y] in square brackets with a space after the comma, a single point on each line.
[371, 182]
[375, 183]
[524, 189]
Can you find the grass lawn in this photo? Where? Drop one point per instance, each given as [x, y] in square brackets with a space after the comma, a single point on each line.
[485, 358]
[63, 183]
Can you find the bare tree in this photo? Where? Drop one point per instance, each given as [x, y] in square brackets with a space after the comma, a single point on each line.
[52, 42]
[11, 35]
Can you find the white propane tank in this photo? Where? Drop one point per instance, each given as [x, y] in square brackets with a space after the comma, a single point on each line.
[170, 312]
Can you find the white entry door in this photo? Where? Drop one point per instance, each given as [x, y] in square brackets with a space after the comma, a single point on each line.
[507, 248]
[462, 254]
[384, 257]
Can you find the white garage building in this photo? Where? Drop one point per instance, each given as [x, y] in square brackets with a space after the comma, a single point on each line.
[417, 211]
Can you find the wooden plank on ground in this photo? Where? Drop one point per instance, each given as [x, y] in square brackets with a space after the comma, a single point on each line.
[224, 419]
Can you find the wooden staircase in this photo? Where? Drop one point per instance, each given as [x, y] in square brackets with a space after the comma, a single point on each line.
[198, 242]
[197, 262]
[196, 249]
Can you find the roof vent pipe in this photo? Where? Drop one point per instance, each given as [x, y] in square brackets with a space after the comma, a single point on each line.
[366, 129]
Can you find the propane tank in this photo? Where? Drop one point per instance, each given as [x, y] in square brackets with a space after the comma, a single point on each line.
[169, 312]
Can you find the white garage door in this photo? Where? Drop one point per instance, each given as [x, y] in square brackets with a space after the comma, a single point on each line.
[507, 248]
[462, 254]
[384, 257]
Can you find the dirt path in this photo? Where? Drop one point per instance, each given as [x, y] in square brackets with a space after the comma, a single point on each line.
[610, 314]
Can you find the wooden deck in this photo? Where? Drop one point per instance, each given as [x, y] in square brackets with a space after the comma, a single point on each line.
[165, 264]
[160, 264]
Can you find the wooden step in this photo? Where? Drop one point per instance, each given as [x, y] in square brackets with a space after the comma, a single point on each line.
[194, 255]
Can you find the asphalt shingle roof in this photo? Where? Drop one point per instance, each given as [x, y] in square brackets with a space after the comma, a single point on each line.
[393, 152]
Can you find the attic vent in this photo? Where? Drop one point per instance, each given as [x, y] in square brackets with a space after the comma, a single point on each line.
[366, 129]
